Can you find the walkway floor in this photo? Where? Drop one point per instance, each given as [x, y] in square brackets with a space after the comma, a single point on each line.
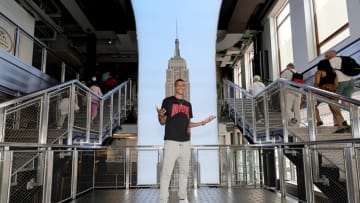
[201, 195]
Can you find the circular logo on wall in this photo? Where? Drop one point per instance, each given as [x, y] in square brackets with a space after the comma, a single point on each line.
[5, 40]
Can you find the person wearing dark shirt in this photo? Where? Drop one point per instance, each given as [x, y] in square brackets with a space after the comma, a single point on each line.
[326, 79]
[176, 113]
[110, 83]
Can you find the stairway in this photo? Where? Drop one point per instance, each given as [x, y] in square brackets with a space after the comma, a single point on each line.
[237, 106]
[331, 180]
[80, 119]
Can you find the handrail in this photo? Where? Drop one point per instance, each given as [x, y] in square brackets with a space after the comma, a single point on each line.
[227, 154]
[106, 123]
[56, 87]
[342, 49]
[22, 30]
[13, 145]
[298, 85]
[248, 123]
[34, 40]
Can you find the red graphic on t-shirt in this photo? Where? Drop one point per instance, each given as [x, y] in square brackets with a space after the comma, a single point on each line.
[179, 108]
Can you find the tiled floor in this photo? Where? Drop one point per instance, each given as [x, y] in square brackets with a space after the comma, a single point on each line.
[201, 195]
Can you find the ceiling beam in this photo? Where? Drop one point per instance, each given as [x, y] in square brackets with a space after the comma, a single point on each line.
[79, 16]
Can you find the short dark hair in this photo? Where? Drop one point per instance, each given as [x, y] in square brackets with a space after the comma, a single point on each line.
[179, 80]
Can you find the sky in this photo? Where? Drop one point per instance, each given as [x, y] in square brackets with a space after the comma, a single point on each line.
[158, 23]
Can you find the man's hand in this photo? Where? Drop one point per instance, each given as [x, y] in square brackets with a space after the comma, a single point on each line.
[161, 115]
[208, 119]
[161, 112]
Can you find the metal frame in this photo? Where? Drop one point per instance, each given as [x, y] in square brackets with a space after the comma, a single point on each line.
[48, 150]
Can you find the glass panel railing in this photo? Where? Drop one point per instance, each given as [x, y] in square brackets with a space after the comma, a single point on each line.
[26, 48]
[329, 172]
[32, 51]
[327, 165]
[53, 66]
[62, 175]
[27, 180]
[85, 171]
[22, 122]
[37, 56]
[270, 108]
[62, 114]
[110, 168]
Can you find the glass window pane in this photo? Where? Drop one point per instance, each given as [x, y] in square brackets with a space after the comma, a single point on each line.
[338, 38]
[285, 43]
[330, 16]
[283, 14]
[26, 47]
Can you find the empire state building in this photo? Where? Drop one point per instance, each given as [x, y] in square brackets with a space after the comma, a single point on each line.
[177, 70]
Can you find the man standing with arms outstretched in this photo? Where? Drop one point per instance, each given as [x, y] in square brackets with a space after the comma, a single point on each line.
[175, 113]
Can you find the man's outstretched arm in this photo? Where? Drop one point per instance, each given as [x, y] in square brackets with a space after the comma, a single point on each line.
[201, 123]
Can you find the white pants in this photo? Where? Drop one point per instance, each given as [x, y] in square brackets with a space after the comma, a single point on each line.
[61, 120]
[174, 150]
[293, 101]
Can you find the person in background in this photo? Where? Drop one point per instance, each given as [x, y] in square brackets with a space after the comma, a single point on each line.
[110, 83]
[326, 79]
[256, 87]
[92, 79]
[175, 113]
[293, 99]
[346, 83]
[64, 110]
[94, 100]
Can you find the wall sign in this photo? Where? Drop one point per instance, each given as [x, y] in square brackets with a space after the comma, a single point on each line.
[5, 40]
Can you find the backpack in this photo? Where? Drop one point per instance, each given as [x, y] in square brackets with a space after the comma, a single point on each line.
[349, 66]
[297, 77]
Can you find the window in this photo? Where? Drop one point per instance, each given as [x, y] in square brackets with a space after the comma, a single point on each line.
[284, 37]
[331, 23]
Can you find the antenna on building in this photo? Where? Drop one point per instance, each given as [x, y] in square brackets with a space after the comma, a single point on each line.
[177, 49]
[176, 28]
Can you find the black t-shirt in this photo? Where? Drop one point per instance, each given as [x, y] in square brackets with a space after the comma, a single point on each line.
[179, 113]
[328, 79]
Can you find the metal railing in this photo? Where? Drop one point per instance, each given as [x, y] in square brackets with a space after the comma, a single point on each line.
[34, 118]
[330, 162]
[34, 52]
[241, 106]
[59, 173]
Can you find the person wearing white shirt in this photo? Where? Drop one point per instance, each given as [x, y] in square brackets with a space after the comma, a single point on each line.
[255, 89]
[346, 83]
[293, 99]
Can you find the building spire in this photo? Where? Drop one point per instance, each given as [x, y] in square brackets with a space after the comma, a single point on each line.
[177, 49]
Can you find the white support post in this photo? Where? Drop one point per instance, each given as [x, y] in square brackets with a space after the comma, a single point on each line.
[352, 178]
[5, 176]
[48, 174]
[74, 176]
[308, 168]
[44, 118]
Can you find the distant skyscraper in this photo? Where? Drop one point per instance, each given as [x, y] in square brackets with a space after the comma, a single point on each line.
[177, 69]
